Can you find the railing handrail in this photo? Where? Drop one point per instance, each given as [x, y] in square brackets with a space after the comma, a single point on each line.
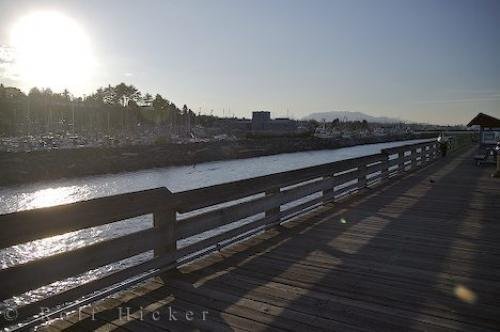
[326, 181]
[28, 225]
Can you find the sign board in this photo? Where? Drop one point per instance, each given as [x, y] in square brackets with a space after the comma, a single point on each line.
[490, 136]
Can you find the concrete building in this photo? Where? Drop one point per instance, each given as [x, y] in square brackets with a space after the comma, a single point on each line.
[262, 123]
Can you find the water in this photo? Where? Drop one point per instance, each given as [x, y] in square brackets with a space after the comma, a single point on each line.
[177, 178]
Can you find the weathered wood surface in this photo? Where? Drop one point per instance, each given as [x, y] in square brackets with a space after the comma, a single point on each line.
[29, 225]
[420, 253]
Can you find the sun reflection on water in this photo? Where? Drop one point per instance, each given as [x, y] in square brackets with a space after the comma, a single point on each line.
[50, 197]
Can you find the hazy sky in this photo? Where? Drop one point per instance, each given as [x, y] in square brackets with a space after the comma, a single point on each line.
[434, 61]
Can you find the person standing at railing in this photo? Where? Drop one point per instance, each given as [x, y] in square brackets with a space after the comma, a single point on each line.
[443, 144]
[497, 152]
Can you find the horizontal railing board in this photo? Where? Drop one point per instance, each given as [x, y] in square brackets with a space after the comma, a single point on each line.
[207, 221]
[376, 162]
[408, 158]
[203, 197]
[121, 275]
[114, 278]
[291, 195]
[213, 219]
[399, 161]
[330, 196]
[297, 208]
[346, 189]
[406, 147]
[20, 278]
[148, 266]
[214, 240]
[92, 286]
[373, 181]
[346, 177]
[375, 176]
[375, 168]
[29, 225]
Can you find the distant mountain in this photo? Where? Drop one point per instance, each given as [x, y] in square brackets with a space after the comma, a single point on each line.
[349, 116]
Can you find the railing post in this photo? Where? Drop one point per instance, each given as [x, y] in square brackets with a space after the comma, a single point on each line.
[426, 154]
[164, 220]
[401, 162]
[327, 193]
[362, 176]
[497, 173]
[413, 159]
[273, 213]
[385, 166]
[435, 150]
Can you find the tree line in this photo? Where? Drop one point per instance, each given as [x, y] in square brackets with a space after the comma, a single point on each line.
[120, 109]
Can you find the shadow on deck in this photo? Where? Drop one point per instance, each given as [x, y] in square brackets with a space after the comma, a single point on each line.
[421, 253]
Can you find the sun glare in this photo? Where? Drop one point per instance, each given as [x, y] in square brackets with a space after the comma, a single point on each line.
[52, 50]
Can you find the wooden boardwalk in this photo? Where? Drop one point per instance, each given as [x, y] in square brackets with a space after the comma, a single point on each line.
[420, 253]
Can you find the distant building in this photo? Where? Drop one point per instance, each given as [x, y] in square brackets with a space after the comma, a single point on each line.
[262, 123]
[235, 124]
[284, 124]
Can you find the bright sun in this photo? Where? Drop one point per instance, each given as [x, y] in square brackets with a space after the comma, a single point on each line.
[51, 50]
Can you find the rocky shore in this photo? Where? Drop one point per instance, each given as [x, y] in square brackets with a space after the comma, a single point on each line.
[25, 167]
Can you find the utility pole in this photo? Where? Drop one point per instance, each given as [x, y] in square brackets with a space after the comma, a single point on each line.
[14, 121]
[73, 116]
[29, 118]
[497, 173]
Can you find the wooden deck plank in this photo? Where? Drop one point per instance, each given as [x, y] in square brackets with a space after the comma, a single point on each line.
[367, 289]
[319, 304]
[419, 253]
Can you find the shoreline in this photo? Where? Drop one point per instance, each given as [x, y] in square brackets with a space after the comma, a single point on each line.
[27, 167]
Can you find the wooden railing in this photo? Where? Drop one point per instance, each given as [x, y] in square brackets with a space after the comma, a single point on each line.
[262, 202]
